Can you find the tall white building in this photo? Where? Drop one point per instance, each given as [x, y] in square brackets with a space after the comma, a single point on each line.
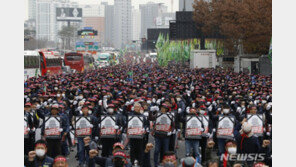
[47, 27]
[31, 9]
[150, 14]
[136, 24]
[109, 24]
[122, 23]
[163, 20]
[93, 10]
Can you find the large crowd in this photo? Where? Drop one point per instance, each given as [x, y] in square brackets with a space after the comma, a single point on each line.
[136, 114]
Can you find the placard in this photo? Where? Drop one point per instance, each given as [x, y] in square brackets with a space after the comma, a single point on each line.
[107, 127]
[225, 127]
[135, 127]
[193, 129]
[257, 123]
[52, 127]
[26, 128]
[163, 123]
[83, 126]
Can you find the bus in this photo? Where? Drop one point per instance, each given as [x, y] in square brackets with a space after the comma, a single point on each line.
[50, 64]
[75, 61]
[31, 64]
[88, 62]
[103, 59]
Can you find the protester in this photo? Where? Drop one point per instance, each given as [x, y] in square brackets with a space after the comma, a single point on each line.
[55, 144]
[169, 159]
[29, 128]
[137, 145]
[60, 161]
[163, 97]
[38, 157]
[162, 136]
[82, 154]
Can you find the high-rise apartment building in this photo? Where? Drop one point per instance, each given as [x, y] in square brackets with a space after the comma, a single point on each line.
[47, 27]
[122, 23]
[150, 13]
[31, 9]
[109, 25]
[93, 10]
[136, 24]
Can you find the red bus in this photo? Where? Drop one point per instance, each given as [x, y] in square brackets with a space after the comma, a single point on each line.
[75, 61]
[50, 64]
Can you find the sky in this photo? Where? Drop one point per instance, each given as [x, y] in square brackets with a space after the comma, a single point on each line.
[135, 3]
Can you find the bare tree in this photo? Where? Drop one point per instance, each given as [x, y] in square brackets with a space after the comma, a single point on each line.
[66, 34]
[246, 23]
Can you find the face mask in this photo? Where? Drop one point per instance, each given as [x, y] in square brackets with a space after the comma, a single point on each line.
[80, 97]
[58, 95]
[178, 99]
[63, 95]
[153, 100]
[141, 111]
[226, 111]
[202, 111]
[55, 88]
[232, 150]
[40, 152]
[110, 110]
[169, 164]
